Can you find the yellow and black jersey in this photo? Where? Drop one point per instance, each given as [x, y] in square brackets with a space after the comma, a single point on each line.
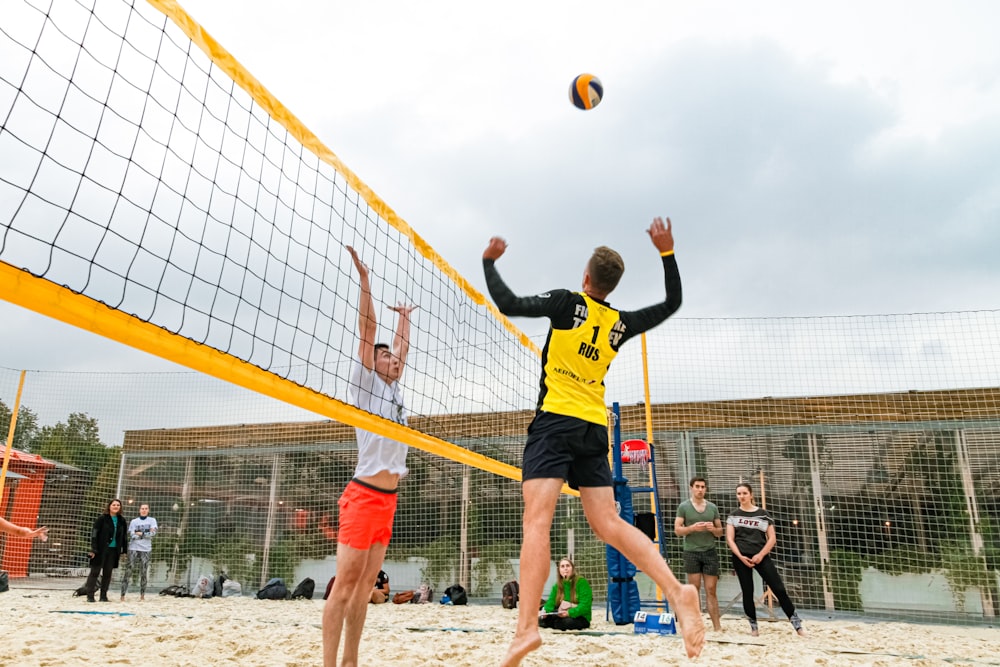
[584, 337]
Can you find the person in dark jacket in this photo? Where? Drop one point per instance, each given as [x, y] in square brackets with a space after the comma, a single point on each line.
[108, 541]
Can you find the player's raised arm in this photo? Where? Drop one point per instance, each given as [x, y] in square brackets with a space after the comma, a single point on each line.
[507, 302]
[367, 324]
[401, 343]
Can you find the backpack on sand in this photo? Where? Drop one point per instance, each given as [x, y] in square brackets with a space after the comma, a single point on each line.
[304, 590]
[403, 597]
[510, 595]
[274, 589]
[423, 595]
[455, 595]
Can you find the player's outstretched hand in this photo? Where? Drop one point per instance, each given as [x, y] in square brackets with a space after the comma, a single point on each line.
[661, 235]
[362, 269]
[495, 249]
[403, 309]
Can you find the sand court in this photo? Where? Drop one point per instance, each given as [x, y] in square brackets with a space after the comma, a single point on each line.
[52, 628]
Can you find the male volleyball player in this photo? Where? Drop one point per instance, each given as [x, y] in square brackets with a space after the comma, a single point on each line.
[568, 439]
[368, 504]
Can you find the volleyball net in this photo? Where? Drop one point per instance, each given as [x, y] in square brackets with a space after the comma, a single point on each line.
[154, 192]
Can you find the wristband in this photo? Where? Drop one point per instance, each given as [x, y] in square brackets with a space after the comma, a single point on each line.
[667, 253]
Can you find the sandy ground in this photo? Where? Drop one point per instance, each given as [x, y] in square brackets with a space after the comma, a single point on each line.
[46, 627]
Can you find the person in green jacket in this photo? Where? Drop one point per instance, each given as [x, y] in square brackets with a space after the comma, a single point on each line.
[568, 606]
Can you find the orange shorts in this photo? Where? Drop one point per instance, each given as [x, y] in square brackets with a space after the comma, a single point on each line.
[366, 515]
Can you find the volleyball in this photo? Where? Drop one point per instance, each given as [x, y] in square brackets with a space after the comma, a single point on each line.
[586, 91]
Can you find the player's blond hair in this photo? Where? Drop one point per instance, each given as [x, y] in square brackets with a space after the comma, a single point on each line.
[605, 268]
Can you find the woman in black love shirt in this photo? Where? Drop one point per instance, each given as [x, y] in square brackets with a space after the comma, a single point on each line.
[750, 535]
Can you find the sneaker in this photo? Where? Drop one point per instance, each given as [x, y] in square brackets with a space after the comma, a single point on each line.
[90, 598]
[104, 598]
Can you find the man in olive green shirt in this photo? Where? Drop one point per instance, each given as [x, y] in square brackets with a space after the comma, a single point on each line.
[699, 523]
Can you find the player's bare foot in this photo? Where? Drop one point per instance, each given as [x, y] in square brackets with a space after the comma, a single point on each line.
[688, 611]
[520, 647]
[801, 632]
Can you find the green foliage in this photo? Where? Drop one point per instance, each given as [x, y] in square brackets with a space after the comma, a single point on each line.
[845, 576]
[311, 544]
[175, 552]
[591, 563]
[27, 426]
[963, 569]
[899, 561]
[76, 442]
[230, 556]
[441, 556]
[493, 567]
[281, 562]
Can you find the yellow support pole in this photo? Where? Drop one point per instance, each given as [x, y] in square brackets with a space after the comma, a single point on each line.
[649, 424]
[10, 432]
[649, 439]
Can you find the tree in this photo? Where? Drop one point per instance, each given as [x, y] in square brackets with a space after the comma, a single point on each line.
[27, 426]
[76, 442]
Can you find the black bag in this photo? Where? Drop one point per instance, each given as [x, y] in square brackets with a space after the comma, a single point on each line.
[457, 595]
[646, 522]
[274, 589]
[305, 589]
[511, 594]
[4, 581]
[217, 585]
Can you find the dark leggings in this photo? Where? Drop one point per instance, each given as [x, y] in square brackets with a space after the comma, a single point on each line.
[103, 564]
[769, 573]
[564, 623]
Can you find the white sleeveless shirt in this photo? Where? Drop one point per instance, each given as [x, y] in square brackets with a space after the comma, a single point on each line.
[370, 393]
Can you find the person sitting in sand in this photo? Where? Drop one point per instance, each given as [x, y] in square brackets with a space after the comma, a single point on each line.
[568, 606]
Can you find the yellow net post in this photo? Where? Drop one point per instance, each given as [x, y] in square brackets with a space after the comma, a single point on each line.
[10, 432]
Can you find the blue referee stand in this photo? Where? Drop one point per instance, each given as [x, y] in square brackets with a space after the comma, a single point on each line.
[623, 599]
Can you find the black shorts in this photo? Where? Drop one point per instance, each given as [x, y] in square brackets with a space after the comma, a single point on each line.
[702, 562]
[566, 448]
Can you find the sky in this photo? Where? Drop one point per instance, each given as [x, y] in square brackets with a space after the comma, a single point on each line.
[822, 158]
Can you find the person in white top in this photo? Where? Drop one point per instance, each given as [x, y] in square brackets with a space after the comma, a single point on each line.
[141, 531]
[368, 504]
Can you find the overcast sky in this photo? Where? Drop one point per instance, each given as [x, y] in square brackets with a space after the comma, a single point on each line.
[821, 158]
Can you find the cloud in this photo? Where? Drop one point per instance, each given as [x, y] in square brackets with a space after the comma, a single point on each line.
[791, 191]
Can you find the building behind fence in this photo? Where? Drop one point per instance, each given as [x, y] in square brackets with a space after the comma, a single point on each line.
[884, 503]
